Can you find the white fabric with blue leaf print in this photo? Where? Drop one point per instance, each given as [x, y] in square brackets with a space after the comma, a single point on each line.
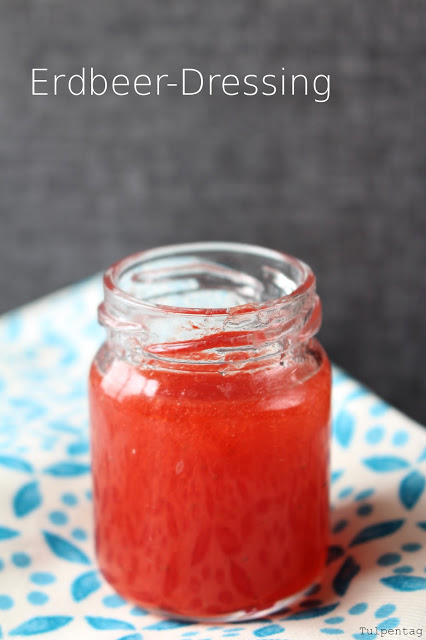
[375, 582]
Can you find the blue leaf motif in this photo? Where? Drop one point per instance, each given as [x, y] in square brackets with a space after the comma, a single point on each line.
[40, 625]
[77, 448]
[17, 464]
[167, 624]
[389, 623]
[108, 623]
[360, 392]
[6, 533]
[12, 326]
[383, 464]
[64, 549]
[26, 499]
[67, 469]
[411, 488]
[315, 612]
[344, 427]
[68, 357]
[269, 630]
[84, 585]
[334, 552]
[335, 475]
[345, 575]
[422, 525]
[379, 408]
[405, 583]
[132, 636]
[379, 530]
[57, 425]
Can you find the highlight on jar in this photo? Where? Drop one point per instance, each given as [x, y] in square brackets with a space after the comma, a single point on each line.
[210, 419]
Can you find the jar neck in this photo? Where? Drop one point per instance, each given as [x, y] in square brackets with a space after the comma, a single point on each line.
[263, 327]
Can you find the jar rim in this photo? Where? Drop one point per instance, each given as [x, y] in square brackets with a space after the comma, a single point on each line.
[111, 279]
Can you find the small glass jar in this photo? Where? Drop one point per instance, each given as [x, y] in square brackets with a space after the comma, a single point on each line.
[210, 413]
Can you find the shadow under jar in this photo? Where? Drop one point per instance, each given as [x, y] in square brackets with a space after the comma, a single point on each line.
[210, 413]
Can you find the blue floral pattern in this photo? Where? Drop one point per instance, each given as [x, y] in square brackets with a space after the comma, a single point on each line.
[50, 586]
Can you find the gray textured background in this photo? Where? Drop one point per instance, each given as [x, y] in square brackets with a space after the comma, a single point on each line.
[341, 184]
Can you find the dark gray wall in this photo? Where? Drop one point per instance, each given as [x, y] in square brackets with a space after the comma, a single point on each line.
[339, 184]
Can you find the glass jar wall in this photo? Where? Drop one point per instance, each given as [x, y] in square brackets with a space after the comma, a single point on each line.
[210, 411]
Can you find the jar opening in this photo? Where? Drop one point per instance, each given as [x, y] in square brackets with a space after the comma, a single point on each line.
[209, 303]
[212, 278]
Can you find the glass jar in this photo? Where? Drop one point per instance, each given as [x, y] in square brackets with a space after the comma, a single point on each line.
[210, 412]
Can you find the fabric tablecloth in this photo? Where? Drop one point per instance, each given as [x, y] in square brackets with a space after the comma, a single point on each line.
[50, 587]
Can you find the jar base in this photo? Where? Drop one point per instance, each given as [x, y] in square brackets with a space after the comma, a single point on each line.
[237, 616]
